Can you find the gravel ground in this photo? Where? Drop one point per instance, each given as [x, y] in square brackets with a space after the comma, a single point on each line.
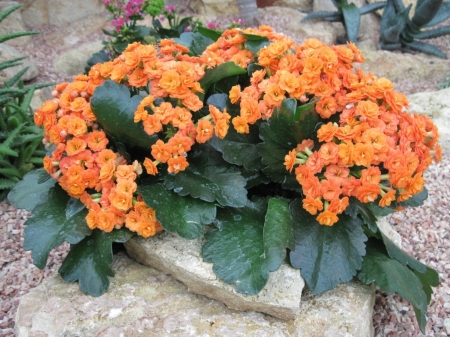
[424, 230]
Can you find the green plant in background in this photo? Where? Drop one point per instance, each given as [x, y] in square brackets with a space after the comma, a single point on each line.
[124, 17]
[21, 147]
[399, 32]
[445, 83]
[347, 13]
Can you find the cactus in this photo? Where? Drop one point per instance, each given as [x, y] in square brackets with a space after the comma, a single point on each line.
[348, 14]
[400, 32]
[21, 148]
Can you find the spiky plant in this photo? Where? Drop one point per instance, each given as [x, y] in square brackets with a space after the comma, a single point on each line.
[347, 13]
[399, 32]
[21, 148]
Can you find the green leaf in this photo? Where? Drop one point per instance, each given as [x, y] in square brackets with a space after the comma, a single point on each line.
[390, 275]
[114, 109]
[32, 190]
[380, 211]
[183, 215]
[89, 261]
[8, 11]
[398, 254]
[281, 133]
[218, 73]
[326, 255]
[212, 34]
[425, 12]
[367, 214]
[209, 178]
[239, 149]
[50, 226]
[6, 184]
[308, 118]
[326, 15]
[352, 19]
[416, 200]
[256, 46]
[254, 178]
[442, 15]
[10, 36]
[372, 7]
[13, 80]
[7, 151]
[426, 48]
[278, 233]
[196, 42]
[433, 33]
[392, 24]
[237, 249]
[253, 37]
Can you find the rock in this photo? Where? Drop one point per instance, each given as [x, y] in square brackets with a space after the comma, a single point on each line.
[396, 66]
[59, 12]
[181, 258]
[305, 5]
[447, 325]
[74, 61]
[323, 30]
[216, 7]
[386, 228]
[435, 104]
[40, 96]
[69, 35]
[142, 301]
[13, 23]
[8, 53]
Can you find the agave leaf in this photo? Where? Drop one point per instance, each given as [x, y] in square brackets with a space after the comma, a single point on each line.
[352, 20]
[6, 184]
[431, 34]
[27, 100]
[426, 48]
[442, 15]
[8, 11]
[15, 35]
[7, 151]
[322, 15]
[390, 46]
[13, 80]
[392, 26]
[399, 6]
[372, 7]
[425, 12]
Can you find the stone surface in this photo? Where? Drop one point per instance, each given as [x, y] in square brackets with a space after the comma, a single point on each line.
[74, 61]
[8, 53]
[142, 301]
[13, 23]
[180, 257]
[305, 5]
[386, 228]
[323, 30]
[435, 104]
[59, 12]
[397, 66]
[215, 7]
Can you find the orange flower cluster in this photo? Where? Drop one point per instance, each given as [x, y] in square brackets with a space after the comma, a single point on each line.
[377, 150]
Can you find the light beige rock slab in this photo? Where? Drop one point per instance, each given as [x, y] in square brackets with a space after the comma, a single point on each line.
[9, 53]
[142, 301]
[180, 257]
[74, 61]
[305, 5]
[13, 23]
[398, 66]
[435, 104]
[385, 227]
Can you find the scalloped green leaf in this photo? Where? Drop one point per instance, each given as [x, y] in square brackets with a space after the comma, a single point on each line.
[392, 276]
[212, 34]
[114, 109]
[366, 214]
[416, 200]
[280, 134]
[278, 233]
[209, 178]
[196, 42]
[51, 218]
[89, 261]
[32, 190]
[326, 255]
[183, 215]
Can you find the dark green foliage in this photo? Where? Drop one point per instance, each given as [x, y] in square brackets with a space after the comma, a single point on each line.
[400, 32]
[21, 147]
[348, 14]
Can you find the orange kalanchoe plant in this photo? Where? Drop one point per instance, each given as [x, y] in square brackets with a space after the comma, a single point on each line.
[283, 148]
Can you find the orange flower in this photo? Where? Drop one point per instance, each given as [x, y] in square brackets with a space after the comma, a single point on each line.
[368, 192]
[367, 110]
[337, 172]
[125, 172]
[327, 218]
[204, 131]
[338, 206]
[105, 156]
[120, 200]
[371, 175]
[75, 146]
[326, 132]
[250, 110]
[96, 140]
[302, 172]
[132, 221]
[311, 186]
[107, 171]
[118, 72]
[164, 112]
[161, 152]
[177, 164]
[91, 219]
[76, 126]
[350, 185]
[387, 198]
[192, 102]
[235, 93]
[312, 66]
[326, 106]
[362, 154]
[274, 95]
[240, 124]
[312, 205]
[314, 163]
[221, 128]
[329, 153]
[170, 81]
[331, 188]
[138, 78]
[179, 144]
[150, 167]
[78, 104]
[288, 81]
[289, 160]
[152, 124]
[105, 221]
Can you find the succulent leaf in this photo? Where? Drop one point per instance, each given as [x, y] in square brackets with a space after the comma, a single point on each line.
[442, 15]
[352, 20]
[426, 48]
[433, 33]
[372, 7]
[425, 12]
[322, 15]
